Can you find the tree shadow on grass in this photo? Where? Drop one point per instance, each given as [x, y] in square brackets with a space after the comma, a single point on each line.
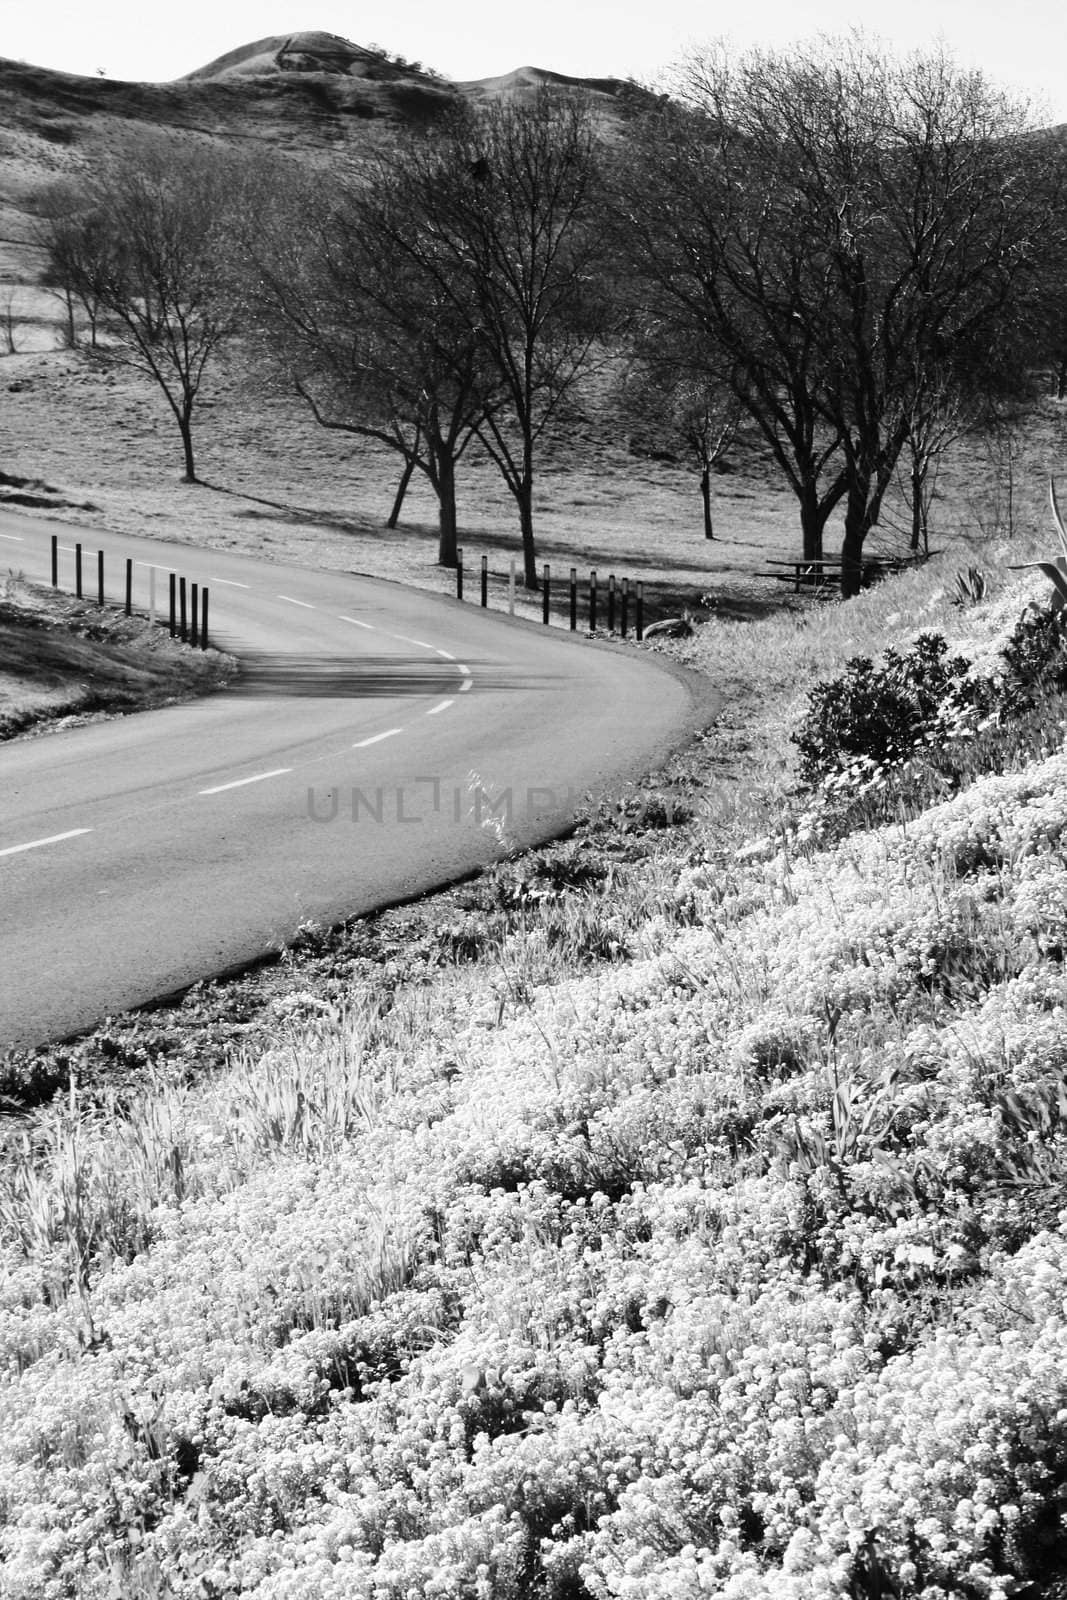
[281, 511]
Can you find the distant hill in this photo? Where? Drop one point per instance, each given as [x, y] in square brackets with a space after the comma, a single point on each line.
[306, 52]
[313, 94]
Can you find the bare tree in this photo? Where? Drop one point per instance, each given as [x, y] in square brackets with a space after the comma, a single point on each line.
[681, 410]
[148, 248]
[62, 229]
[840, 225]
[362, 333]
[496, 211]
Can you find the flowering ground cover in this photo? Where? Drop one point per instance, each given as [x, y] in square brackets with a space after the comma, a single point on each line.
[733, 1263]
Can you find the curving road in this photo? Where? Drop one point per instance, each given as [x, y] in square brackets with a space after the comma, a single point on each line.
[378, 742]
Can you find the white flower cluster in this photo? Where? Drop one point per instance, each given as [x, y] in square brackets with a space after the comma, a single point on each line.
[735, 1271]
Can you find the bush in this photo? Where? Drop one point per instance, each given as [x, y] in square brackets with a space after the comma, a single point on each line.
[1036, 656]
[880, 713]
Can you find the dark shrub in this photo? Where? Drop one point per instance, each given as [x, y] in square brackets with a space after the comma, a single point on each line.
[882, 712]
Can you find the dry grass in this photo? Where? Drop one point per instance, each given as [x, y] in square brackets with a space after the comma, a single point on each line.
[68, 658]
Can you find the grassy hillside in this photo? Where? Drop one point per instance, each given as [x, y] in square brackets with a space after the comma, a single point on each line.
[682, 1219]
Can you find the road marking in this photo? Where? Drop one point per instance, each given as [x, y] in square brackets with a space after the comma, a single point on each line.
[442, 705]
[357, 622]
[239, 783]
[35, 844]
[404, 639]
[361, 744]
[16, 538]
[465, 685]
[230, 583]
[446, 653]
[293, 602]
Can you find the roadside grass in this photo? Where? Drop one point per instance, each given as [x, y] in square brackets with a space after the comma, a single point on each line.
[61, 657]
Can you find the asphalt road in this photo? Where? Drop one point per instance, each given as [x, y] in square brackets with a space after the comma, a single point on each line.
[378, 742]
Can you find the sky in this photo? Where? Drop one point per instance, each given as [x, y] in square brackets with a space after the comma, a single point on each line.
[1021, 46]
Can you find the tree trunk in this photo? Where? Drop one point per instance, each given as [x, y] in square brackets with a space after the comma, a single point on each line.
[705, 496]
[812, 522]
[402, 489]
[1061, 380]
[529, 551]
[918, 474]
[856, 524]
[447, 553]
[185, 423]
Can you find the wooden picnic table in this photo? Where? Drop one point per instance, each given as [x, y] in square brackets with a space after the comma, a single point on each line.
[816, 571]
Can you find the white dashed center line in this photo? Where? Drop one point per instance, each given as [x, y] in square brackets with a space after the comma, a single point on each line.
[292, 602]
[35, 844]
[420, 643]
[361, 744]
[239, 783]
[442, 705]
[16, 538]
[230, 583]
[357, 623]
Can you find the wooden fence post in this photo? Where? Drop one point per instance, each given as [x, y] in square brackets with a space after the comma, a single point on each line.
[55, 561]
[545, 593]
[99, 577]
[459, 573]
[129, 587]
[574, 598]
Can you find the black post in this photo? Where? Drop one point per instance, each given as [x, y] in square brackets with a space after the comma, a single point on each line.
[592, 601]
[183, 626]
[485, 582]
[574, 598]
[611, 602]
[129, 586]
[639, 622]
[203, 618]
[100, 577]
[194, 631]
[55, 561]
[459, 573]
[625, 605]
[545, 591]
[78, 570]
[173, 609]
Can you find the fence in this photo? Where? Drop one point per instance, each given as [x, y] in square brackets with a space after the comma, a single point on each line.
[187, 603]
[616, 600]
